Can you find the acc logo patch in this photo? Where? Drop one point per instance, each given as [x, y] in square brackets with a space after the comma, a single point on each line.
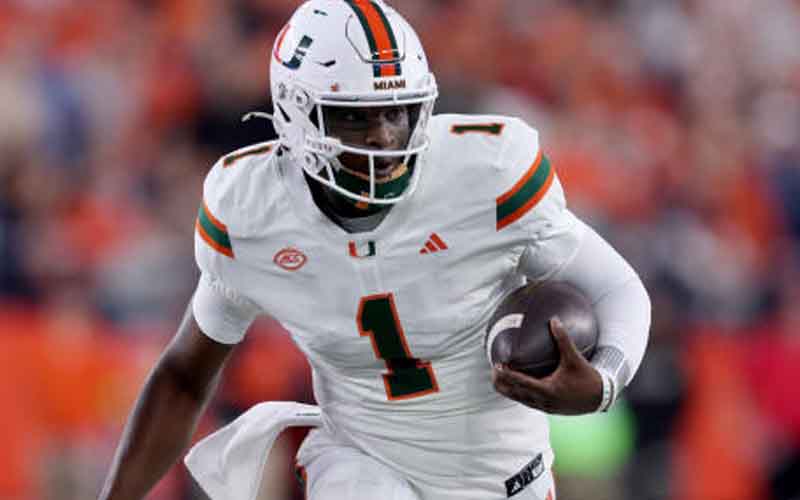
[290, 259]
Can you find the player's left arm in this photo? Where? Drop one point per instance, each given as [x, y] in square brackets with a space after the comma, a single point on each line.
[562, 247]
[622, 306]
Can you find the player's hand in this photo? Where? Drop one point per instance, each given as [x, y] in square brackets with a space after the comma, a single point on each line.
[575, 387]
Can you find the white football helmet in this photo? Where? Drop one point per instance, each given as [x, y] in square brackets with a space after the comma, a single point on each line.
[349, 53]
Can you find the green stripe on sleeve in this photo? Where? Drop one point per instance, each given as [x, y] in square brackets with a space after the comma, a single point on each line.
[526, 192]
[219, 236]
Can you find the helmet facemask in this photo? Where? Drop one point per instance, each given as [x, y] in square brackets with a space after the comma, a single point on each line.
[321, 151]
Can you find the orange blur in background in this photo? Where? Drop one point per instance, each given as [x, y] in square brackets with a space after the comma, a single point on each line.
[674, 126]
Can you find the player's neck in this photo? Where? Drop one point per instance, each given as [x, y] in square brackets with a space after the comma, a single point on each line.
[342, 212]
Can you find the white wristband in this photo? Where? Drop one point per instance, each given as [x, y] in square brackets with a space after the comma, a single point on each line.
[610, 363]
[609, 391]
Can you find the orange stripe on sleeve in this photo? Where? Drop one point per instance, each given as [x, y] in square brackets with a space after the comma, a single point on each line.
[219, 225]
[529, 204]
[208, 239]
[525, 178]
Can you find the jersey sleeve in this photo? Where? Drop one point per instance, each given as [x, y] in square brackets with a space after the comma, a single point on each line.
[222, 312]
[620, 302]
[560, 246]
[531, 203]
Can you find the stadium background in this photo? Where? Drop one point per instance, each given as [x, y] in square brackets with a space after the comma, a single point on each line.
[674, 125]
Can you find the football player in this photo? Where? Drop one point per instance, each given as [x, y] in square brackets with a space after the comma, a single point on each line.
[383, 238]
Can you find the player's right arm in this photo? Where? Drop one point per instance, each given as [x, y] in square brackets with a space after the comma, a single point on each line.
[179, 387]
[185, 376]
[166, 412]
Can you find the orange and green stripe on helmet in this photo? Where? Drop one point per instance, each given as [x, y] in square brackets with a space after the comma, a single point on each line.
[380, 36]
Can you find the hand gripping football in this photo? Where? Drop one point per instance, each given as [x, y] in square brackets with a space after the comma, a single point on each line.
[518, 334]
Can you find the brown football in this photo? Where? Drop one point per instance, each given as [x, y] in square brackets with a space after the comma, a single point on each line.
[518, 333]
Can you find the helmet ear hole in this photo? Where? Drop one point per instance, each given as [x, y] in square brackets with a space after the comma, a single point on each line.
[301, 99]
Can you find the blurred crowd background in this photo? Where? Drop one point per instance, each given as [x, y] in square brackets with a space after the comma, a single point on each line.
[674, 125]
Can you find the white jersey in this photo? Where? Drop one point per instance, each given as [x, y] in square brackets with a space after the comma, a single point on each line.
[393, 320]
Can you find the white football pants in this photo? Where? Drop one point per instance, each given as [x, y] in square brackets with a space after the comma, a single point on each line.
[229, 464]
[344, 473]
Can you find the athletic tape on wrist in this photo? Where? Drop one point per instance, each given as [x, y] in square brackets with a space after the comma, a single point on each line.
[608, 391]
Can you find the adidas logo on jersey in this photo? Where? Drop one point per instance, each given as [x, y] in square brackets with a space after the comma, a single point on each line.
[434, 244]
[526, 476]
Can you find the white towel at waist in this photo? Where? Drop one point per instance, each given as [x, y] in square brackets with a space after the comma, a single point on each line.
[228, 464]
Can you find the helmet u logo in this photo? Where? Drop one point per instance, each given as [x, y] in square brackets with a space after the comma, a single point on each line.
[299, 52]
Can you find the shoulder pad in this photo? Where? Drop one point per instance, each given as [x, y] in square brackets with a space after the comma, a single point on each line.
[524, 175]
[229, 191]
[501, 157]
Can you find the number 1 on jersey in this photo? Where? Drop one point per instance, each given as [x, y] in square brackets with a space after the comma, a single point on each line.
[408, 377]
[483, 128]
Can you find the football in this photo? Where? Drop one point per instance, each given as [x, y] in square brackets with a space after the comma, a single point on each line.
[518, 334]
